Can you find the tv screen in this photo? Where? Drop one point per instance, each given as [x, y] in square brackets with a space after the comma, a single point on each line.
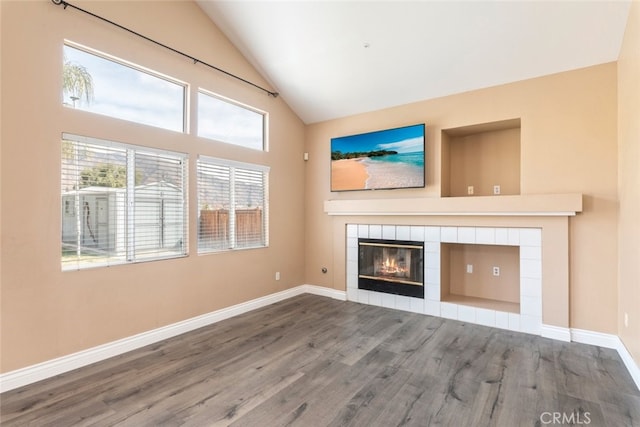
[385, 159]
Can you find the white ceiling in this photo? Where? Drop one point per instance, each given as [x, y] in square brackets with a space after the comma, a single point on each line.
[331, 59]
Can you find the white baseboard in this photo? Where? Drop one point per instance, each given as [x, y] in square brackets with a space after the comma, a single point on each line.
[632, 367]
[325, 292]
[50, 368]
[555, 333]
[595, 338]
[609, 341]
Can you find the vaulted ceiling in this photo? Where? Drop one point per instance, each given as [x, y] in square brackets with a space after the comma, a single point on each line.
[331, 59]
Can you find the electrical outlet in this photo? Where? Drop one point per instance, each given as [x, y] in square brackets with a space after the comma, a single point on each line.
[626, 320]
[496, 189]
[470, 190]
[496, 271]
[469, 268]
[277, 275]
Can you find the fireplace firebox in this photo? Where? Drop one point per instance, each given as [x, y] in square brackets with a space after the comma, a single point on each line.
[391, 266]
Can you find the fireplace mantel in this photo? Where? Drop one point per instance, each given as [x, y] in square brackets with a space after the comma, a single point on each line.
[521, 205]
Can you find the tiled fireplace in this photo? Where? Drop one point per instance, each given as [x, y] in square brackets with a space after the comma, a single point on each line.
[528, 316]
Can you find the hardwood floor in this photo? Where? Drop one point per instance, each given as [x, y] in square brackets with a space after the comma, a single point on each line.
[314, 361]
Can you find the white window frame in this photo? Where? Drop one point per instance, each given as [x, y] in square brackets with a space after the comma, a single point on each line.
[233, 165]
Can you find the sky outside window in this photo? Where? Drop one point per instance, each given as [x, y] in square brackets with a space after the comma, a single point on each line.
[124, 92]
[225, 121]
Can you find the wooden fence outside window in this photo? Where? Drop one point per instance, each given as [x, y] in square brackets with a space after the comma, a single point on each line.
[214, 228]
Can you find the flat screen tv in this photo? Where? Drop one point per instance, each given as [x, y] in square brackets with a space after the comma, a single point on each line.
[384, 159]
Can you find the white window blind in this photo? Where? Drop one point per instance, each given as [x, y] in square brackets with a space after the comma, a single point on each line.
[233, 207]
[121, 203]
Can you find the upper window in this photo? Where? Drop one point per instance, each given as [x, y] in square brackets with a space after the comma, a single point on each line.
[226, 121]
[232, 205]
[104, 85]
[121, 203]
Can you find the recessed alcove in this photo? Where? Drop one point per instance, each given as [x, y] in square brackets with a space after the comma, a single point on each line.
[468, 276]
[477, 158]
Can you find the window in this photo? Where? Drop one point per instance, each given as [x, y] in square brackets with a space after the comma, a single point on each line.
[121, 203]
[227, 121]
[93, 82]
[232, 205]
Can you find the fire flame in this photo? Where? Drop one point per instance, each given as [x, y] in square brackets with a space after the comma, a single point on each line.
[389, 266]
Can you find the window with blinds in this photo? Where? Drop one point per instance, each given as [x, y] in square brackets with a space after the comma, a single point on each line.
[121, 203]
[232, 205]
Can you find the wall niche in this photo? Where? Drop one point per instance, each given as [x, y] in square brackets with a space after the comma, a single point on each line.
[467, 276]
[481, 159]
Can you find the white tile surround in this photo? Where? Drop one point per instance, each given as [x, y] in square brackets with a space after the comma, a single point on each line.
[529, 240]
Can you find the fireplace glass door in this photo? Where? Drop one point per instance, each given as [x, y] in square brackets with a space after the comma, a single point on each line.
[391, 266]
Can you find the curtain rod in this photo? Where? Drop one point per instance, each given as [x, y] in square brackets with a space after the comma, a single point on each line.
[66, 4]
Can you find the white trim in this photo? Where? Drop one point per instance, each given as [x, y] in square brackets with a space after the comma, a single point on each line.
[511, 205]
[609, 341]
[556, 333]
[595, 338]
[325, 292]
[50, 368]
[469, 213]
[632, 367]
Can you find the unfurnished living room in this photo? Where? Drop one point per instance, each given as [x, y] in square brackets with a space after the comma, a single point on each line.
[319, 213]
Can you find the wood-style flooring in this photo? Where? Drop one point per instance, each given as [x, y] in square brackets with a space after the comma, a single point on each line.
[314, 361]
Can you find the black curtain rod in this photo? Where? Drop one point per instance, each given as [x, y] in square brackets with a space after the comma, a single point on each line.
[65, 4]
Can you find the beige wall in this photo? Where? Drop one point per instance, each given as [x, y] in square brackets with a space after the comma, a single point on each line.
[47, 313]
[568, 144]
[629, 183]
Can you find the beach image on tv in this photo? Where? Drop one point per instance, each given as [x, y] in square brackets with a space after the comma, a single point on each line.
[386, 159]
